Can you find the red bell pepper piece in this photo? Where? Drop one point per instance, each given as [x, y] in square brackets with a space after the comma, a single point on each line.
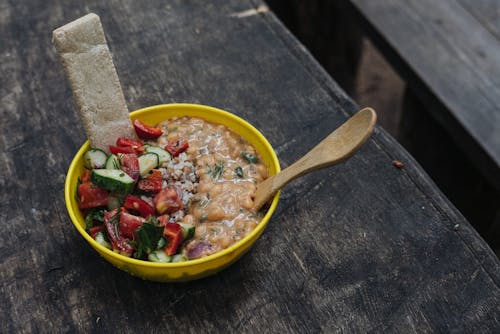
[173, 233]
[145, 131]
[91, 196]
[121, 149]
[130, 165]
[152, 183]
[139, 205]
[126, 145]
[168, 200]
[177, 146]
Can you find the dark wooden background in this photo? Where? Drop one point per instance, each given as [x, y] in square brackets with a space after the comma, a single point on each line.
[363, 247]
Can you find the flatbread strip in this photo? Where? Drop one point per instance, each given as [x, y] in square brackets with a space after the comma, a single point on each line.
[96, 88]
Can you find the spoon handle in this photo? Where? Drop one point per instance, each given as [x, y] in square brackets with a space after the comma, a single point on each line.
[340, 145]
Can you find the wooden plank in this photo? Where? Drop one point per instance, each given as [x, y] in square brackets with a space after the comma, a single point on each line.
[357, 248]
[457, 61]
[486, 12]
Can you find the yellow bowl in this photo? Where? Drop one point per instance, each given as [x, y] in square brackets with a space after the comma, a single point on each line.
[189, 270]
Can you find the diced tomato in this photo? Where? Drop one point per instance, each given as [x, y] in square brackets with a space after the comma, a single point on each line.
[85, 176]
[139, 205]
[126, 142]
[118, 242]
[168, 200]
[177, 146]
[130, 165]
[173, 233]
[91, 196]
[121, 149]
[163, 220]
[136, 145]
[129, 224]
[94, 230]
[145, 131]
[152, 182]
[126, 146]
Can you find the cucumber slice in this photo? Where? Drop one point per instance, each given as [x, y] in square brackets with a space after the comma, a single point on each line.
[187, 230]
[147, 162]
[94, 158]
[114, 180]
[178, 258]
[112, 162]
[163, 155]
[159, 256]
[101, 239]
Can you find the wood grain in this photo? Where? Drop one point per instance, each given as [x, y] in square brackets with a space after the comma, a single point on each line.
[450, 58]
[364, 247]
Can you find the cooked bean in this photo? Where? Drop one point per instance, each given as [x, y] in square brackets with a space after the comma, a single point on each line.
[216, 190]
[262, 170]
[204, 187]
[246, 202]
[215, 213]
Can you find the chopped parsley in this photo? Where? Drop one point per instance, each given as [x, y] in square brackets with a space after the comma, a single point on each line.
[249, 157]
[239, 172]
[114, 221]
[217, 171]
[149, 238]
[93, 215]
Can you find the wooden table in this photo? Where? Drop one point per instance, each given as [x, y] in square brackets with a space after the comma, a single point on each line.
[360, 247]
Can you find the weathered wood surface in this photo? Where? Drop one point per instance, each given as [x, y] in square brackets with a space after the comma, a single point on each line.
[362, 247]
[448, 52]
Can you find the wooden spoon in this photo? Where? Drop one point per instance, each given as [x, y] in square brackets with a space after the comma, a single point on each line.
[340, 145]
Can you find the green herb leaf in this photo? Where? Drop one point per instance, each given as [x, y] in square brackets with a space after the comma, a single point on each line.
[239, 172]
[148, 238]
[117, 232]
[249, 157]
[116, 217]
[218, 170]
[93, 215]
[114, 221]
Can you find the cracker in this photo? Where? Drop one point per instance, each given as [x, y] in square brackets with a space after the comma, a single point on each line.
[86, 59]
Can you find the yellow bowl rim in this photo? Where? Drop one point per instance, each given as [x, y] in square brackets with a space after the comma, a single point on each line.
[135, 114]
